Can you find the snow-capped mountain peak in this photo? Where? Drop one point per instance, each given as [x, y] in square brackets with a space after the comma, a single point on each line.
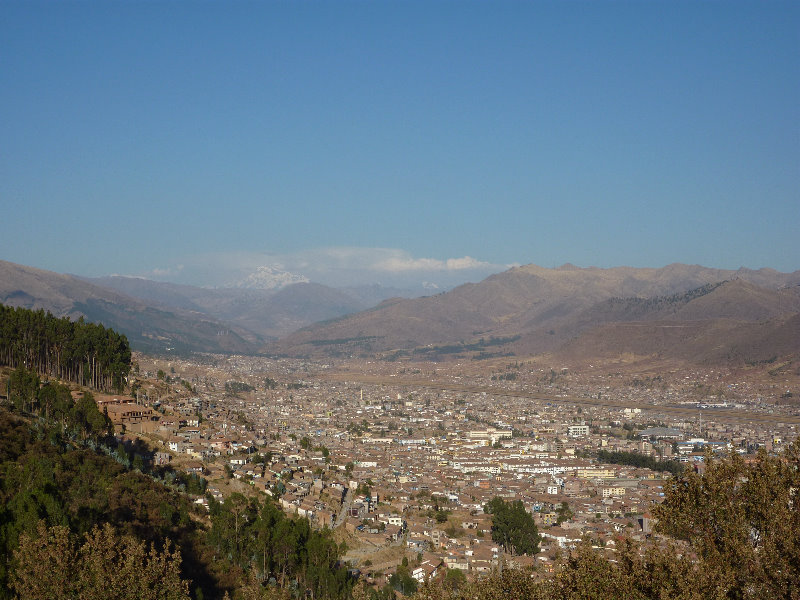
[270, 278]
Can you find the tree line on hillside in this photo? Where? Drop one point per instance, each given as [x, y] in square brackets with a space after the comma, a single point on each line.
[57, 490]
[254, 539]
[53, 401]
[76, 351]
[80, 518]
[660, 302]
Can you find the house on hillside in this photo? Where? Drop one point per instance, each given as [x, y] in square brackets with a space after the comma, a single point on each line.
[427, 569]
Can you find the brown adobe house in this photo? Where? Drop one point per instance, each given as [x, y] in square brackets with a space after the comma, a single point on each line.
[393, 533]
[484, 556]
[125, 414]
[456, 560]
[132, 417]
[193, 466]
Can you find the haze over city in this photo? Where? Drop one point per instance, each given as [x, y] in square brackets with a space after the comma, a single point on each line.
[408, 143]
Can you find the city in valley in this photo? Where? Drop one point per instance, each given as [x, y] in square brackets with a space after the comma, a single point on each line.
[400, 458]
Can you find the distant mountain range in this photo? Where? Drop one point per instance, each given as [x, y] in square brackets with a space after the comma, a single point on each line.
[149, 326]
[267, 313]
[160, 317]
[680, 311]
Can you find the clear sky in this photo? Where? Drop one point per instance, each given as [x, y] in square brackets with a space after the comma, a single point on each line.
[423, 139]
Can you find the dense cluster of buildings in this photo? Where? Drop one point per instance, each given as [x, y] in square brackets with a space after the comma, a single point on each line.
[400, 465]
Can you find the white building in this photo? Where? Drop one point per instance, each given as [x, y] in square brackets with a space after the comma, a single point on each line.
[577, 430]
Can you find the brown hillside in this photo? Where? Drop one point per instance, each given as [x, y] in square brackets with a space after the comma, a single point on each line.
[545, 306]
[709, 342]
[147, 327]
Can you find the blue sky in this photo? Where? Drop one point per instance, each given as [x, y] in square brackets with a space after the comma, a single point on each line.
[435, 141]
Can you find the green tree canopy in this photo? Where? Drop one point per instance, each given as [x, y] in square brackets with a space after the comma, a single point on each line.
[743, 520]
[76, 351]
[513, 527]
[23, 387]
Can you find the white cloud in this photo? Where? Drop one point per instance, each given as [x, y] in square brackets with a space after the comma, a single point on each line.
[466, 262]
[398, 264]
[390, 260]
[408, 263]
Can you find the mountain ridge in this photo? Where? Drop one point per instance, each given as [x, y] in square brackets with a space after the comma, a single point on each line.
[269, 313]
[147, 327]
[543, 308]
[678, 310]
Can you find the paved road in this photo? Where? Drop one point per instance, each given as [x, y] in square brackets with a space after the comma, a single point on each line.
[348, 501]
